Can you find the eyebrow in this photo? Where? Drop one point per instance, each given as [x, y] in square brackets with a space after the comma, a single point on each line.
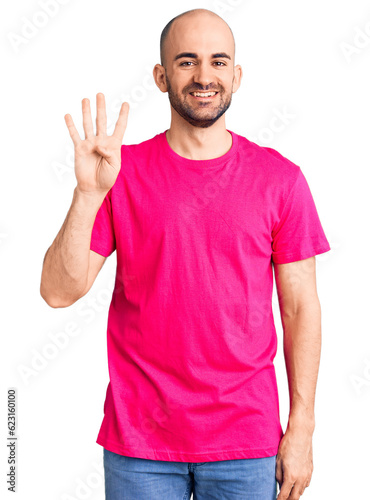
[192, 55]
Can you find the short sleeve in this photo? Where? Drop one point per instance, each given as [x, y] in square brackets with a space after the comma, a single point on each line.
[102, 235]
[298, 234]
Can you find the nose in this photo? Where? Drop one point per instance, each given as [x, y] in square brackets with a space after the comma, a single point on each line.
[203, 75]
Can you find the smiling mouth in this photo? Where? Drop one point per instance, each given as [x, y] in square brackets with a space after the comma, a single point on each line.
[203, 95]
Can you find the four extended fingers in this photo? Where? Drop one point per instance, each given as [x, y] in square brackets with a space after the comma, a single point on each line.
[101, 120]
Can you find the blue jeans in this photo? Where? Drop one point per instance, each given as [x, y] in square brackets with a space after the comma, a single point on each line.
[129, 478]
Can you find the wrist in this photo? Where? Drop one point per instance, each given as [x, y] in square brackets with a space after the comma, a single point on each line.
[90, 196]
[302, 419]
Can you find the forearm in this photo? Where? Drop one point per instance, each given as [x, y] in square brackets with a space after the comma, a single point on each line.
[66, 263]
[302, 349]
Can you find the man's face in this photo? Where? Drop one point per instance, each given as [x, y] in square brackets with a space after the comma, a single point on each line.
[199, 59]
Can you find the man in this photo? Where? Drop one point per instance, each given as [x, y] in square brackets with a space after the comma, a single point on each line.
[199, 217]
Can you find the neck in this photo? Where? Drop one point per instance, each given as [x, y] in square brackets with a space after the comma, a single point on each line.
[197, 143]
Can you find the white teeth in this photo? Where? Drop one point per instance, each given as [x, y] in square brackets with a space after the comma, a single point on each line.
[199, 94]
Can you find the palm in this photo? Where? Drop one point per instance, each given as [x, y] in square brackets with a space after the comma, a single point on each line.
[93, 170]
[98, 157]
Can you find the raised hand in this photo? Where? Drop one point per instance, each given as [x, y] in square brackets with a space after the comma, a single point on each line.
[97, 157]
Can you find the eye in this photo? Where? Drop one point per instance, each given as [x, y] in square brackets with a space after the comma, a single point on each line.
[187, 63]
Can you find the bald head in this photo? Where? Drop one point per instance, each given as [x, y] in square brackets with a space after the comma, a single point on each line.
[194, 17]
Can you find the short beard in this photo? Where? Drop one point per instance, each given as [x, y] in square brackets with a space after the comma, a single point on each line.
[191, 115]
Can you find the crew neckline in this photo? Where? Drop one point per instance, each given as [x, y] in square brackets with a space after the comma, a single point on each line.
[212, 162]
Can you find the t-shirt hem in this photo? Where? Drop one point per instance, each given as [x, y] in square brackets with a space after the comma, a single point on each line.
[292, 257]
[100, 250]
[177, 456]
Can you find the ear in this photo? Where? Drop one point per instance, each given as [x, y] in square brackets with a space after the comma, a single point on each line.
[238, 74]
[159, 75]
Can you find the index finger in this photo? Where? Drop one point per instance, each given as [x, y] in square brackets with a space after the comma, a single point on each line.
[121, 124]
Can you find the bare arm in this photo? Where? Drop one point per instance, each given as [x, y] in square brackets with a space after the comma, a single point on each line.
[69, 266]
[69, 262]
[301, 318]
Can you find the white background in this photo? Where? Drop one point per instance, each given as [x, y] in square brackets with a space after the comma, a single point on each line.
[296, 57]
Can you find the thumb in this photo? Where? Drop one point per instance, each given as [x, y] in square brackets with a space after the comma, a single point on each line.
[103, 151]
[279, 472]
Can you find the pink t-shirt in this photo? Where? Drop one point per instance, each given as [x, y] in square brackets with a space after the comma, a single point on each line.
[191, 336]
